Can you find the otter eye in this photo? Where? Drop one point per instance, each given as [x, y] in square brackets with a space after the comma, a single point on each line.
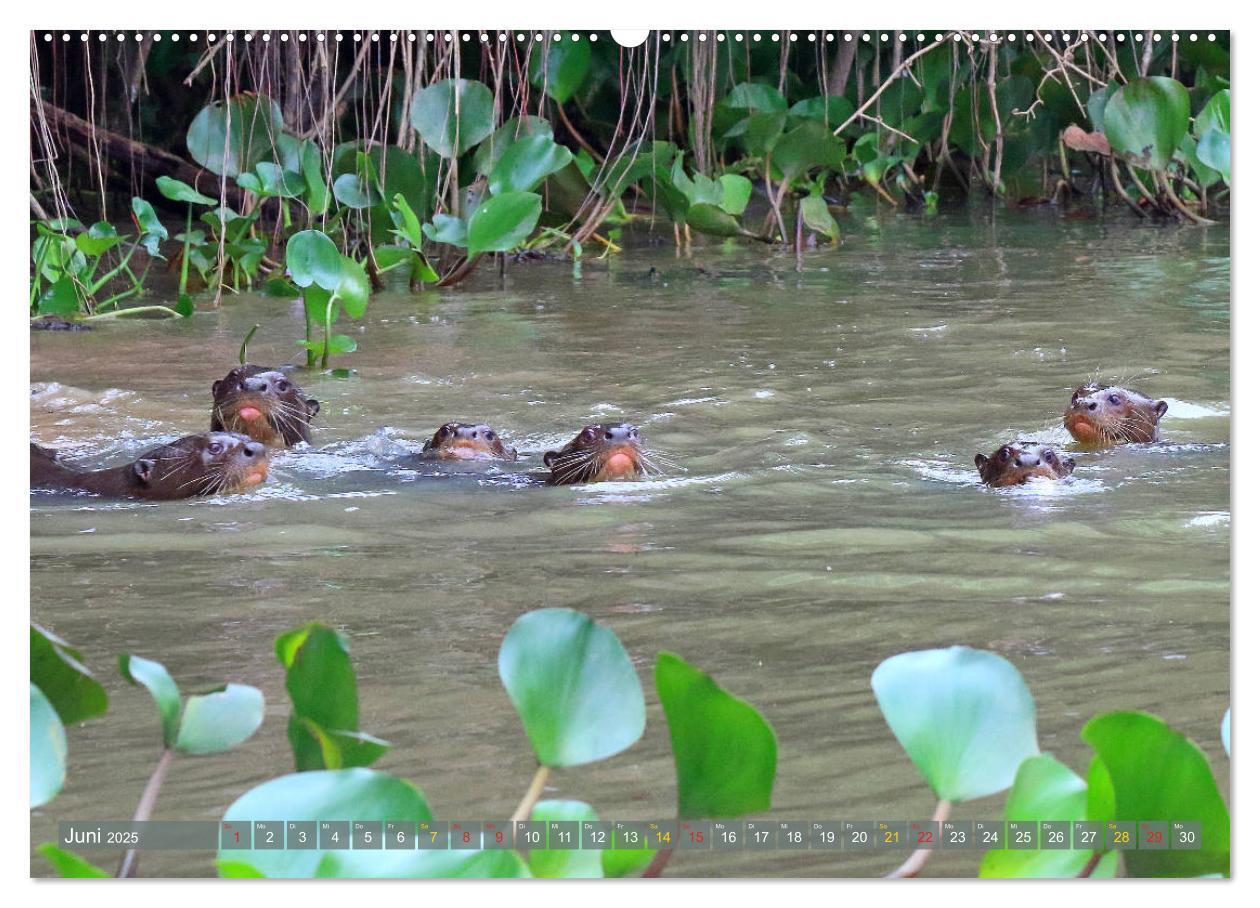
[215, 448]
[445, 431]
[1049, 457]
[1113, 399]
[1005, 454]
[489, 435]
[282, 386]
[588, 434]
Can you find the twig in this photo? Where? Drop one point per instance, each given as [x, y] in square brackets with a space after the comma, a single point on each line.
[144, 809]
[659, 860]
[905, 64]
[532, 794]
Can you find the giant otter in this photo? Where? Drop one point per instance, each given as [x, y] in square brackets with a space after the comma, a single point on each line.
[193, 465]
[1101, 416]
[466, 441]
[599, 453]
[1016, 463]
[263, 404]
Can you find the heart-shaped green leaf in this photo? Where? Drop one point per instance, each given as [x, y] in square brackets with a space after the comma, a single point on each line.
[446, 228]
[230, 138]
[559, 67]
[57, 670]
[179, 191]
[453, 115]
[312, 258]
[1145, 120]
[48, 749]
[964, 716]
[526, 163]
[725, 754]
[158, 681]
[68, 864]
[503, 222]
[220, 720]
[573, 686]
[512, 130]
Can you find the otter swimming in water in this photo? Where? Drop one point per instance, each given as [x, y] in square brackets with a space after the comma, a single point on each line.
[466, 441]
[194, 465]
[263, 404]
[1101, 416]
[1016, 463]
[599, 453]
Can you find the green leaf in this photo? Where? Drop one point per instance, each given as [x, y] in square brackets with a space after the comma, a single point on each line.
[503, 222]
[1159, 774]
[1213, 151]
[725, 752]
[755, 96]
[1044, 789]
[62, 298]
[713, 220]
[312, 258]
[154, 676]
[491, 864]
[1097, 104]
[807, 146]
[559, 67]
[353, 287]
[48, 749]
[218, 721]
[68, 864]
[512, 130]
[453, 115]
[152, 230]
[404, 218]
[736, 191]
[280, 288]
[230, 138]
[276, 182]
[353, 192]
[762, 130]
[446, 228]
[818, 218]
[564, 863]
[831, 111]
[964, 717]
[57, 670]
[526, 163]
[622, 862]
[573, 686]
[1145, 120]
[1214, 115]
[179, 191]
[184, 305]
[322, 687]
[98, 239]
[312, 161]
[340, 794]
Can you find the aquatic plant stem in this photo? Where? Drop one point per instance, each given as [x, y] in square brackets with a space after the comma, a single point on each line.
[1090, 866]
[532, 794]
[144, 809]
[659, 860]
[918, 859]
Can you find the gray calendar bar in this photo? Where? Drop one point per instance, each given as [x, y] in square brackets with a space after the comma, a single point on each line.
[149, 835]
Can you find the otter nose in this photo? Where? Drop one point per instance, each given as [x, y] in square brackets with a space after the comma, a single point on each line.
[257, 384]
[1092, 406]
[466, 432]
[253, 449]
[621, 434]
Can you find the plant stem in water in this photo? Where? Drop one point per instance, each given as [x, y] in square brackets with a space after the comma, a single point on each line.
[144, 809]
[532, 794]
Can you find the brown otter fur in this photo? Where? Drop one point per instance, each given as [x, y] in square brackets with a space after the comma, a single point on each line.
[599, 453]
[263, 404]
[1018, 462]
[193, 465]
[466, 441]
[1100, 416]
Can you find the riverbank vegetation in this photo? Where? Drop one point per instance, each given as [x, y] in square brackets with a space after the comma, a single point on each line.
[422, 157]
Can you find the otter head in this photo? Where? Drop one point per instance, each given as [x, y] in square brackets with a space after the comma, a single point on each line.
[200, 465]
[263, 404]
[1019, 462]
[1102, 416]
[467, 441]
[598, 453]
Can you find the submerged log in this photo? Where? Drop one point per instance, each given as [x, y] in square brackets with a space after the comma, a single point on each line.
[144, 160]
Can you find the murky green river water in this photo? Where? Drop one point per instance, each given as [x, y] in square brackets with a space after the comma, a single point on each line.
[823, 514]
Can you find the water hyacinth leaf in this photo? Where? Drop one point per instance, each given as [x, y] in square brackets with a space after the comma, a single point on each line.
[1157, 773]
[1145, 120]
[230, 138]
[736, 191]
[1225, 732]
[280, 288]
[219, 720]
[762, 130]
[312, 258]
[352, 287]
[559, 67]
[526, 163]
[964, 717]
[48, 750]
[807, 146]
[503, 222]
[1213, 151]
[1097, 104]
[512, 130]
[98, 239]
[1214, 115]
[756, 96]
[152, 230]
[564, 863]
[453, 115]
[446, 228]
[278, 182]
[406, 222]
[573, 686]
[68, 864]
[619, 862]
[725, 753]
[154, 677]
[353, 191]
[343, 749]
[179, 191]
[831, 111]
[818, 218]
[62, 299]
[312, 161]
[1044, 789]
[713, 220]
[57, 670]
[331, 794]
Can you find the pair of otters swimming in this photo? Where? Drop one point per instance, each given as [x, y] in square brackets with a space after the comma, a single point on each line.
[1097, 417]
[256, 409]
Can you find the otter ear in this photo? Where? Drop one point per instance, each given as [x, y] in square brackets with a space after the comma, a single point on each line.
[981, 460]
[143, 469]
[549, 457]
[312, 406]
[214, 389]
[1161, 407]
